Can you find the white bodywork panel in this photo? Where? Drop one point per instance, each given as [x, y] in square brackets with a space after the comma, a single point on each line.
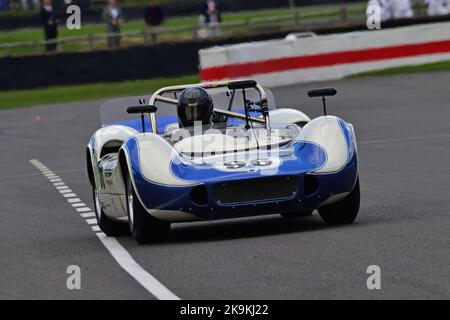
[111, 133]
[326, 132]
[287, 115]
[155, 165]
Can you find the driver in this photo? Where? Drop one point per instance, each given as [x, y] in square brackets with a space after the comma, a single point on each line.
[194, 104]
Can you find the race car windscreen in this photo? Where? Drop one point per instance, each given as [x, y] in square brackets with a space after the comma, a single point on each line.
[115, 110]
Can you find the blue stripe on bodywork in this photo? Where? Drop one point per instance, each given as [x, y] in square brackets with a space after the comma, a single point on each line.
[304, 157]
[136, 124]
[154, 196]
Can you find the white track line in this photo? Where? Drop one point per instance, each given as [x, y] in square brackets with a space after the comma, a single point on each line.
[88, 215]
[38, 174]
[122, 257]
[73, 200]
[84, 209]
[91, 221]
[78, 204]
[406, 139]
[69, 195]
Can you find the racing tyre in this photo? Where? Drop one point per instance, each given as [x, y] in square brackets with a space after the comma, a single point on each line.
[144, 228]
[110, 227]
[344, 211]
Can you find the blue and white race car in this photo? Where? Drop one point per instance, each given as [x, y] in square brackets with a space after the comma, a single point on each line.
[215, 151]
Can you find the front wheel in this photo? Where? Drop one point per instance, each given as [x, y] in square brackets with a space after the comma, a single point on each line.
[344, 211]
[110, 227]
[144, 228]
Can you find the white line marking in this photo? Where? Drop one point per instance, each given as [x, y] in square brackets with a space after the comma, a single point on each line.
[43, 170]
[91, 221]
[126, 261]
[65, 191]
[88, 215]
[62, 187]
[407, 139]
[83, 209]
[59, 184]
[69, 195]
[122, 257]
[55, 180]
[79, 204]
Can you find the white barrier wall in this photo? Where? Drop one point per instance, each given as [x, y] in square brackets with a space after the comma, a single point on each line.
[283, 62]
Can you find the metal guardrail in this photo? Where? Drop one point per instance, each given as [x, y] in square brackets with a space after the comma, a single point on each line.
[248, 26]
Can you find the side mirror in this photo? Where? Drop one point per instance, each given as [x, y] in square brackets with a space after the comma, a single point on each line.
[142, 109]
[242, 84]
[325, 92]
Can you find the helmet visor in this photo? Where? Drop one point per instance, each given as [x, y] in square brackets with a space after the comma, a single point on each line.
[193, 112]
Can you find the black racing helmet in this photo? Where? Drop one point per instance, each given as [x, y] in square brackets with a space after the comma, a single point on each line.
[194, 104]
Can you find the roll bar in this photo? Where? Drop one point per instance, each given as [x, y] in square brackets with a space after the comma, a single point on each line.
[232, 85]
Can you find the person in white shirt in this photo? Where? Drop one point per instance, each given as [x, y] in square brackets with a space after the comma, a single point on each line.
[402, 9]
[112, 15]
[384, 7]
[437, 7]
[212, 17]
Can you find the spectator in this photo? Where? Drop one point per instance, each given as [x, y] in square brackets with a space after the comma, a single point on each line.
[437, 7]
[154, 16]
[4, 4]
[24, 4]
[402, 9]
[112, 15]
[212, 17]
[49, 19]
[385, 8]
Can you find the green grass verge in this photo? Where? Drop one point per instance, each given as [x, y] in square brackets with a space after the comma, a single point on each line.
[62, 94]
[429, 67]
[190, 21]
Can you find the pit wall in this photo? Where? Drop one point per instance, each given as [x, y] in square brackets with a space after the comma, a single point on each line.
[317, 58]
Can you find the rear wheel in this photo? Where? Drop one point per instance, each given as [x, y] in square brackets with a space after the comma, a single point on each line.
[110, 227]
[344, 211]
[144, 228]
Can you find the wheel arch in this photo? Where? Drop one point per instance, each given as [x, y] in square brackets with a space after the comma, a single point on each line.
[336, 137]
[289, 115]
[124, 166]
[89, 166]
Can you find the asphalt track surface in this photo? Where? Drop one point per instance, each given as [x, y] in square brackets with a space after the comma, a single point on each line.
[403, 128]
